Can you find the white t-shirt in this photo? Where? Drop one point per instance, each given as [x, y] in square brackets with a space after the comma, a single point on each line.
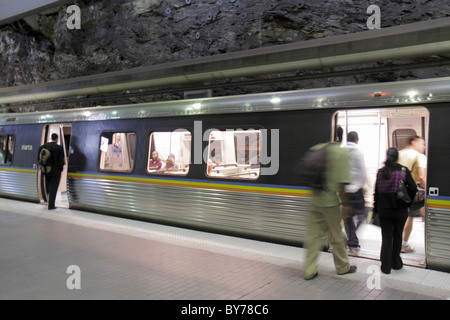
[358, 172]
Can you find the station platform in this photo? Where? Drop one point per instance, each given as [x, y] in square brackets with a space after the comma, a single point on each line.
[66, 254]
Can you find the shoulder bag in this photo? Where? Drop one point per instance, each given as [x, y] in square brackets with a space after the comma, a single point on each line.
[402, 192]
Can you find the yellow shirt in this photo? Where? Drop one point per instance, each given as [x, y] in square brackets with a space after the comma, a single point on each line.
[412, 159]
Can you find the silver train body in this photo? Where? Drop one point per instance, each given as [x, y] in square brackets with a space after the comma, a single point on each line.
[213, 190]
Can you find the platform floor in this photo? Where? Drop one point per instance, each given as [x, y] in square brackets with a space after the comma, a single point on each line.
[121, 259]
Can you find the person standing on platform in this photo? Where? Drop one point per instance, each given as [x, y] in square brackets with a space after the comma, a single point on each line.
[355, 192]
[54, 165]
[391, 210]
[325, 215]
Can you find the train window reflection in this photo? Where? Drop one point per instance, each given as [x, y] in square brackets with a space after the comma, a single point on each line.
[169, 152]
[234, 154]
[117, 151]
[6, 149]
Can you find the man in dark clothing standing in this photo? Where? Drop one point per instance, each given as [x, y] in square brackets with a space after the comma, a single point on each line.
[56, 161]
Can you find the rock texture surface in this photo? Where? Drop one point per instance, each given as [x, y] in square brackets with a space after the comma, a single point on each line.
[120, 34]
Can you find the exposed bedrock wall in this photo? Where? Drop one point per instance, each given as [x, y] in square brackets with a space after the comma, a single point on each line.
[120, 34]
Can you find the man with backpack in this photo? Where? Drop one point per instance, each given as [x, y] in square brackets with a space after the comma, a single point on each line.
[325, 215]
[51, 163]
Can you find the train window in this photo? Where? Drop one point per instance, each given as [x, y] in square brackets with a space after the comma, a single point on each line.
[6, 149]
[117, 151]
[169, 152]
[234, 154]
[400, 137]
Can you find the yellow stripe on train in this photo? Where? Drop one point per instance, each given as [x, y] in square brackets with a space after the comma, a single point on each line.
[441, 204]
[196, 184]
[18, 170]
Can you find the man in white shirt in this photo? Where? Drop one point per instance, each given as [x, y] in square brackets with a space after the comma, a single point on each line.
[355, 191]
[412, 157]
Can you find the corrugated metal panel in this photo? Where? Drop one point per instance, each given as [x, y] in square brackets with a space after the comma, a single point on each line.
[264, 215]
[438, 238]
[22, 185]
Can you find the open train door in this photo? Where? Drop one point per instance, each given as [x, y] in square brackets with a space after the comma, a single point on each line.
[64, 132]
[378, 130]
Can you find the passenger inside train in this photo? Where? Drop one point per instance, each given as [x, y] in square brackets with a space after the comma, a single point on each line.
[154, 162]
[174, 147]
[117, 151]
[170, 163]
[6, 148]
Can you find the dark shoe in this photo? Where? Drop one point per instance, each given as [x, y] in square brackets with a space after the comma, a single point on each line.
[51, 208]
[385, 271]
[352, 269]
[313, 277]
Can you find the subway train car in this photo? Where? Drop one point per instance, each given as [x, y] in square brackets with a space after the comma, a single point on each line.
[226, 164]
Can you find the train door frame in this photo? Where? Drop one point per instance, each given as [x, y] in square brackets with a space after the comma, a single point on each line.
[64, 131]
[386, 127]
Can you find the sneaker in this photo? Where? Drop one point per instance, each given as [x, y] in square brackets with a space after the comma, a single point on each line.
[353, 249]
[406, 248]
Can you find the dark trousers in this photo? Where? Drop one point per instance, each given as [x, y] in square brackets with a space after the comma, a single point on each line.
[358, 208]
[52, 184]
[392, 222]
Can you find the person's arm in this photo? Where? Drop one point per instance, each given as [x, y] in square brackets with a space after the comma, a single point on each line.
[421, 169]
[375, 198]
[62, 160]
[422, 176]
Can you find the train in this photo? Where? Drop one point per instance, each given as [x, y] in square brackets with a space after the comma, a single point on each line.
[226, 164]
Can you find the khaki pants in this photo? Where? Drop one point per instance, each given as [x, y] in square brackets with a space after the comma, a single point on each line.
[325, 220]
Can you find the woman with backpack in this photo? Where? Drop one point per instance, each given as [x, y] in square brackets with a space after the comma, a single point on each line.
[392, 211]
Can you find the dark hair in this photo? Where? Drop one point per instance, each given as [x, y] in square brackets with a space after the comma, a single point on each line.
[54, 136]
[352, 136]
[391, 159]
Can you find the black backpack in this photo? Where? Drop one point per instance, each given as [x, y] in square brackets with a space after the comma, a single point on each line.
[44, 160]
[312, 166]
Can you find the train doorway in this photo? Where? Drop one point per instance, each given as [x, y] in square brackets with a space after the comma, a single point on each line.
[379, 129]
[64, 132]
